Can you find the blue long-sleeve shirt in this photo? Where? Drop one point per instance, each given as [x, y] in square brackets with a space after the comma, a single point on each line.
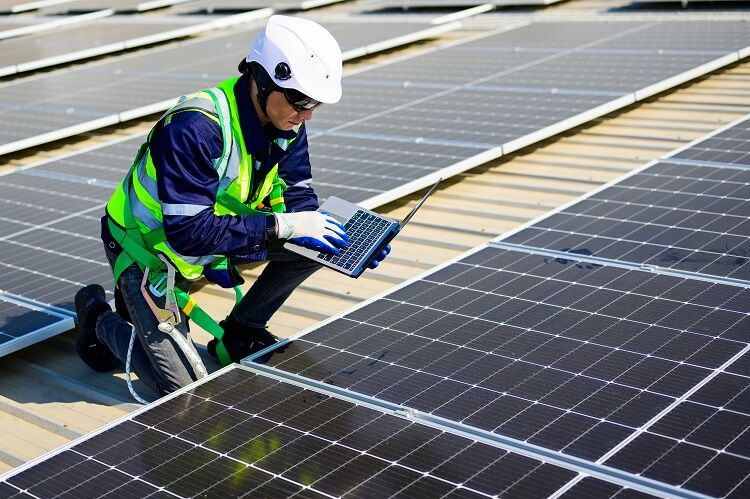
[182, 152]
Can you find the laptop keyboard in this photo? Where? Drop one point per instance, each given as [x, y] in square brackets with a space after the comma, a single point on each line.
[363, 229]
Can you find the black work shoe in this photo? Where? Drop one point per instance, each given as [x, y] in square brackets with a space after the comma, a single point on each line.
[242, 341]
[91, 303]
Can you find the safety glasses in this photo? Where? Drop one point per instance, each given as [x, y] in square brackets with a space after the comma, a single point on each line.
[299, 101]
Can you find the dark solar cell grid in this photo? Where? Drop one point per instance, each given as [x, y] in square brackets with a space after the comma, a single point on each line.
[242, 433]
[731, 147]
[703, 444]
[17, 320]
[560, 353]
[592, 488]
[678, 216]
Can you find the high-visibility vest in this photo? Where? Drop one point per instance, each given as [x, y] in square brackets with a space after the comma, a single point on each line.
[135, 214]
[137, 192]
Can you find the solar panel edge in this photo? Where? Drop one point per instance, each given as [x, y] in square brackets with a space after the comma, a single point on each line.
[687, 76]
[64, 322]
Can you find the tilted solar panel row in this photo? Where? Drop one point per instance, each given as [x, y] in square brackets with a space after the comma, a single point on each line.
[431, 114]
[67, 102]
[243, 432]
[587, 360]
[81, 42]
[687, 213]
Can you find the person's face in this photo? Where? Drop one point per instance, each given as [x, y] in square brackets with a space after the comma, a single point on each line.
[282, 114]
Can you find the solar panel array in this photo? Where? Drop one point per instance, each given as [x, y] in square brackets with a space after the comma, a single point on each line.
[49, 227]
[246, 433]
[640, 370]
[81, 42]
[70, 101]
[387, 136]
[600, 352]
[505, 89]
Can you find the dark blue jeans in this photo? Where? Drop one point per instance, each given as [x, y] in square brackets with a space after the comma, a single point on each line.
[156, 359]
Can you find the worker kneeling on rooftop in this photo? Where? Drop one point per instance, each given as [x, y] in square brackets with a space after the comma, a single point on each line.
[223, 178]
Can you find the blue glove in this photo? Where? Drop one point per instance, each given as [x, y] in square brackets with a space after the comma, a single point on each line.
[380, 257]
[313, 230]
[226, 277]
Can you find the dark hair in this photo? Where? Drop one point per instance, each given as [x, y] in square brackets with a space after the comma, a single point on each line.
[263, 82]
[243, 67]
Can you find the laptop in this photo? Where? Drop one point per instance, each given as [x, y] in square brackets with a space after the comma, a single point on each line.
[369, 233]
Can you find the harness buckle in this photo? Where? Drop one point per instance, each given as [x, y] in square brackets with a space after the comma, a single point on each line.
[170, 314]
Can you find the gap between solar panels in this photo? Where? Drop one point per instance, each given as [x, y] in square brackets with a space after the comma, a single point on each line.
[243, 431]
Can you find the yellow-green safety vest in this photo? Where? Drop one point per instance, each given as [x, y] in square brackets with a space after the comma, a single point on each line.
[135, 213]
[138, 191]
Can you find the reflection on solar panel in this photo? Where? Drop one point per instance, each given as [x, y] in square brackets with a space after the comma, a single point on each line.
[687, 213]
[81, 42]
[566, 354]
[242, 432]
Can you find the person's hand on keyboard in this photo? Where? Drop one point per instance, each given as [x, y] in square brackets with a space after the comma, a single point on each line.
[380, 257]
[313, 230]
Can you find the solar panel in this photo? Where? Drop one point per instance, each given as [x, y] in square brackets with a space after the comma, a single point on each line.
[407, 4]
[17, 6]
[687, 213]
[119, 6]
[566, 354]
[49, 230]
[243, 432]
[243, 5]
[19, 316]
[81, 42]
[44, 23]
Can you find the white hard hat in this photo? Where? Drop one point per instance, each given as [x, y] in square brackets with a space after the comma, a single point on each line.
[301, 54]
